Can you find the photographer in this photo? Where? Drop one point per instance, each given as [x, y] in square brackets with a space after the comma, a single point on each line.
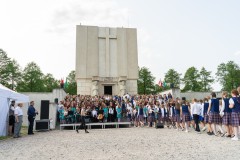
[31, 116]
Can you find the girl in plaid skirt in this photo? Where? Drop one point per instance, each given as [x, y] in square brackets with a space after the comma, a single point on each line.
[185, 114]
[206, 117]
[226, 112]
[213, 112]
[235, 116]
[177, 116]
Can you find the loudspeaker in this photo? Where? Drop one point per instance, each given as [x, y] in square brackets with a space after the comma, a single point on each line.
[44, 114]
[56, 100]
[159, 125]
[42, 124]
[184, 98]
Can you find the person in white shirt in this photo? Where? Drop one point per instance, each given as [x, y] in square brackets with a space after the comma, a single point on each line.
[195, 111]
[18, 120]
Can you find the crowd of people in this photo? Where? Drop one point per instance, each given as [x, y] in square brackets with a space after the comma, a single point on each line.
[217, 116]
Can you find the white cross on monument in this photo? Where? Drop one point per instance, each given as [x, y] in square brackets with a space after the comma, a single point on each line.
[107, 36]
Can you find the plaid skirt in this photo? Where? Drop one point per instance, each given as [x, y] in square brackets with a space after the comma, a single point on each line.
[173, 118]
[235, 119]
[159, 117]
[150, 119]
[206, 118]
[185, 117]
[214, 118]
[226, 119]
[177, 118]
[141, 118]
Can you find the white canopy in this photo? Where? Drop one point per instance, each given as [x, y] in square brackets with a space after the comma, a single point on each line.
[5, 96]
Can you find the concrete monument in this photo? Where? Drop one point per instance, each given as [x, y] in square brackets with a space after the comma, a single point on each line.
[106, 60]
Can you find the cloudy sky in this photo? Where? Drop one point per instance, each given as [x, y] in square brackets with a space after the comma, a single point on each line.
[174, 34]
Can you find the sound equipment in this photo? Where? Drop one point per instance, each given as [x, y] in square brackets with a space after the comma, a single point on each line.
[159, 125]
[42, 124]
[56, 100]
[44, 114]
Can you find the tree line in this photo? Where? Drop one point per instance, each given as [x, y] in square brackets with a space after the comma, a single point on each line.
[31, 78]
[228, 75]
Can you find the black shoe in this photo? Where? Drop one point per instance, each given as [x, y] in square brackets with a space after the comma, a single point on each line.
[77, 130]
[30, 133]
[86, 132]
[210, 133]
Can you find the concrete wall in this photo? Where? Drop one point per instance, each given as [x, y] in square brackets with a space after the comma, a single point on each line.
[37, 97]
[189, 95]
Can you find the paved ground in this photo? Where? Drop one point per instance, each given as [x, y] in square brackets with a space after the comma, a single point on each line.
[124, 143]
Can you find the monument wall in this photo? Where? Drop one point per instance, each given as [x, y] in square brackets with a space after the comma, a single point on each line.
[106, 60]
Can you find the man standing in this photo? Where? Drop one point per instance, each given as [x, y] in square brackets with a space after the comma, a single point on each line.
[83, 115]
[31, 116]
[195, 110]
[18, 120]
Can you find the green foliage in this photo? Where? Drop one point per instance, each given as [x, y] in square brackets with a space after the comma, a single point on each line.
[172, 77]
[4, 61]
[205, 80]
[10, 72]
[50, 82]
[71, 86]
[32, 79]
[145, 81]
[191, 80]
[228, 75]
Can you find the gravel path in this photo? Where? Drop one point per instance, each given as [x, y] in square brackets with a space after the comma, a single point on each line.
[125, 143]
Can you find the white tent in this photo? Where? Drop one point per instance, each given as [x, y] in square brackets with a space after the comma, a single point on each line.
[5, 96]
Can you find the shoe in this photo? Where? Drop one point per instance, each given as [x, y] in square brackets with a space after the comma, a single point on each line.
[204, 129]
[30, 133]
[77, 130]
[86, 132]
[186, 131]
[210, 133]
[15, 137]
[234, 138]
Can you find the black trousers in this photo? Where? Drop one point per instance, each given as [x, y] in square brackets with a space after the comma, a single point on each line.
[196, 120]
[83, 124]
[30, 127]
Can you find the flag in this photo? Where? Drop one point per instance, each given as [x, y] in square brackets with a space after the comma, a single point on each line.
[160, 83]
[66, 84]
[165, 84]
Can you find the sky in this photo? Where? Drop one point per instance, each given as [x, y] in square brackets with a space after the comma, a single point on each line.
[172, 34]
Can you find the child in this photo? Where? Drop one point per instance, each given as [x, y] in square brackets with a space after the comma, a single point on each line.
[206, 117]
[213, 112]
[185, 113]
[177, 116]
[172, 114]
[140, 115]
[235, 116]
[226, 113]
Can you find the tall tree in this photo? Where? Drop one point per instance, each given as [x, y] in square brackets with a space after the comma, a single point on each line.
[191, 80]
[13, 73]
[4, 61]
[228, 75]
[32, 79]
[145, 81]
[50, 82]
[172, 77]
[71, 85]
[205, 80]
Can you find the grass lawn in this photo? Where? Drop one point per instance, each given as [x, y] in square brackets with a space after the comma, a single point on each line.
[24, 131]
